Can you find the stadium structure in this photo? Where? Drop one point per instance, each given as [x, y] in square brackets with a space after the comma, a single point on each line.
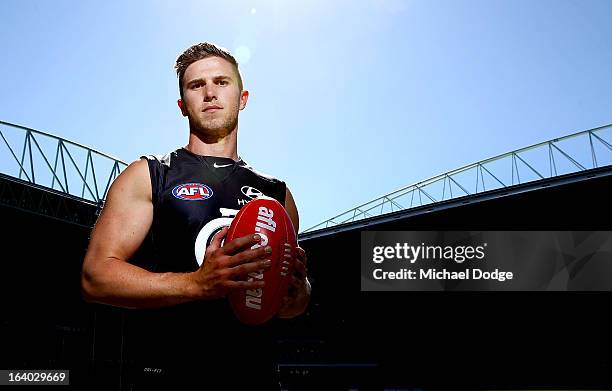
[52, 190]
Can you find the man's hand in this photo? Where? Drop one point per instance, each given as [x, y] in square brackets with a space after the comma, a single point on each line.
[223, 268]
[298, 297]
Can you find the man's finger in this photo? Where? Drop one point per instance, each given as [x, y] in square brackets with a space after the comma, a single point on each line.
[241, 243]
[300, 268]
[215, 243]
[301, 255]
[246, 256]
[251, 267]
[299, 252]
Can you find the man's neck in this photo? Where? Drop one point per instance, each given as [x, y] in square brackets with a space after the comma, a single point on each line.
[223, 147]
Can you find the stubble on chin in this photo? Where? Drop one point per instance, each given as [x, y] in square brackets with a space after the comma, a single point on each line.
[212, 130]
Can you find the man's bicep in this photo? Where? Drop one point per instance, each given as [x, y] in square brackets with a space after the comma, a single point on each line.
[126, 217]
[291, 209]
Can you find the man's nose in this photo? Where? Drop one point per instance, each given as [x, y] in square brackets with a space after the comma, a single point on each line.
[210, 93]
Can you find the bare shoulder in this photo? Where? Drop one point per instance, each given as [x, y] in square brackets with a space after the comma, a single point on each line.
[133, 183]
[126, 216]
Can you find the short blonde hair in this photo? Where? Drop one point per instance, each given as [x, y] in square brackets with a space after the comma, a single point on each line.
[198, 52]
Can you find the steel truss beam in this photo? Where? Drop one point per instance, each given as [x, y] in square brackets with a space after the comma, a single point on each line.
[577, 152]
[43, 159]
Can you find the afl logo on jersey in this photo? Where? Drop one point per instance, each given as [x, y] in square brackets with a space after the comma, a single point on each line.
[192, 192]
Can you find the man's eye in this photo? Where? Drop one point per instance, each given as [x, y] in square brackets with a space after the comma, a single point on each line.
[223, 82]
[197, 85]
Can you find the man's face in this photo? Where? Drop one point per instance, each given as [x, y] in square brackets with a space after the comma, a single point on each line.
[212, 97]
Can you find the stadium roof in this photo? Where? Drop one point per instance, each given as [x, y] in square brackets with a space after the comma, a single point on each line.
[576, 152]
[56, 163]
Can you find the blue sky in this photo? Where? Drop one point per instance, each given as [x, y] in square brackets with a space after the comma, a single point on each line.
[349, 100]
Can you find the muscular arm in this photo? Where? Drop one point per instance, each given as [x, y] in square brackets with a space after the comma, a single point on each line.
[299, 293]
[292, 210]
[107, 277]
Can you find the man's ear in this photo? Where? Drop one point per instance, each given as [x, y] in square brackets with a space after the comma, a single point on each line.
[244, 97]
[180, 105]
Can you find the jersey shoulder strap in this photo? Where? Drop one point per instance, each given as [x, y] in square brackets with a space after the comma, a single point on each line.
[277, 188]
[158, 167]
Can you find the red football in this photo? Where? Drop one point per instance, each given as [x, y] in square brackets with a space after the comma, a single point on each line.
[268, 218]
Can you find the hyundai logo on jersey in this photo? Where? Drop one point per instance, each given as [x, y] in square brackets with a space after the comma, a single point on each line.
[251, 192]
[192, 192]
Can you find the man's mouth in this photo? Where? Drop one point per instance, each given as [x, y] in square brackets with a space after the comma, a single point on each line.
[212, 109]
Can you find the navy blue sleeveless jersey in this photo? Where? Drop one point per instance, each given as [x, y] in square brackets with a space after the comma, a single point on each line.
[196, 195]
[193, 197]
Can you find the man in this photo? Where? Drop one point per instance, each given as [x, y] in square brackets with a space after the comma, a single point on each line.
[178, 206]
